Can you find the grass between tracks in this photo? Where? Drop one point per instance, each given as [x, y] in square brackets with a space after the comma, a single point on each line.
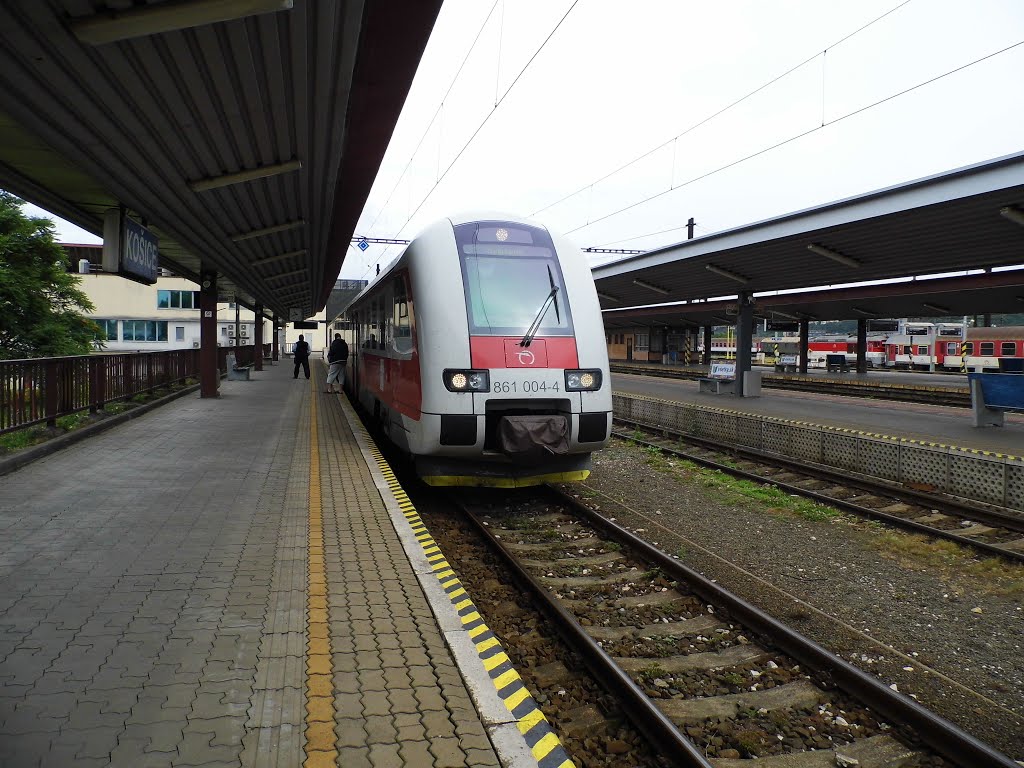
[990, 575]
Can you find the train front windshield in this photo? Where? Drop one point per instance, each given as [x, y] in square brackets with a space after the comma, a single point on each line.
[509, 270]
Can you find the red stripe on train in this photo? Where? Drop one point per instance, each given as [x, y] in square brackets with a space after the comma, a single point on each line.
[505, 352]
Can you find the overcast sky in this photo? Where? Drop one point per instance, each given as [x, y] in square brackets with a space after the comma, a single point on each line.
[555, 95]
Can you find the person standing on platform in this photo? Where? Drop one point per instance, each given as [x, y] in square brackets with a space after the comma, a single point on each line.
[301, 353]
[337, 357]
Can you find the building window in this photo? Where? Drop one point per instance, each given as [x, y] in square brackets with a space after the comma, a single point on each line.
[223, 330]
[642, 342]
[177, 299]
[1008, 348]
[179, 333]
[108, 330]
[145, 330]
[988, 348]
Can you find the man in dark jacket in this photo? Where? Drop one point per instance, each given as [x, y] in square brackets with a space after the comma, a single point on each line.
[301, 353]
[337, 357]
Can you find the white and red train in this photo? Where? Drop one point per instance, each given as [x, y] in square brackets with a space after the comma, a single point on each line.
[480, 352]
[916, 346]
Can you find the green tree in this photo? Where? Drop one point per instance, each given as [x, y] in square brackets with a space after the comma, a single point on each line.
[41, 304]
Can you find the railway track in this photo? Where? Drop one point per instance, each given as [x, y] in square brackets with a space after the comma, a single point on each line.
[836, 386]
[707, 678]
[987, 530]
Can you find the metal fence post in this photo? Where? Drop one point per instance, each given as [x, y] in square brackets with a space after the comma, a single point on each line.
[50, 383]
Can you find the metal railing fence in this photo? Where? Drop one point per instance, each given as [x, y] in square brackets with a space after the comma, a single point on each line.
[43, 389]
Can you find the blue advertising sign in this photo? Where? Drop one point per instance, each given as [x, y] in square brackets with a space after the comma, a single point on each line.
[140, 252]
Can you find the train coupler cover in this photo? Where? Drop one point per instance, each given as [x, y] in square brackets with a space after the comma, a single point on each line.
[531, 437]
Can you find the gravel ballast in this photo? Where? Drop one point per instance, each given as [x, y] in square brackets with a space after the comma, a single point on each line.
[928, 618]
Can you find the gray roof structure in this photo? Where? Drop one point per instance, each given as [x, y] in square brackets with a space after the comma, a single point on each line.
[156, 105]
[970, 218]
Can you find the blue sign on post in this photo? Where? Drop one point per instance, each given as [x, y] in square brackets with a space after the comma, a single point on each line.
[363, 245]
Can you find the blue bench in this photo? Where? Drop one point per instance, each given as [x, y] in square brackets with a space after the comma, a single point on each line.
[836, 363]
[993, 394]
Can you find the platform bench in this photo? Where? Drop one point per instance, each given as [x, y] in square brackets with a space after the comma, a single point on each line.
[993, 394]
[722, 378]
[786, 364]
[837, 363]
[240, 372]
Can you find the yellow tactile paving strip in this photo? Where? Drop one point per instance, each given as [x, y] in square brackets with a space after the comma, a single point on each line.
[547, 750]
[320, 739]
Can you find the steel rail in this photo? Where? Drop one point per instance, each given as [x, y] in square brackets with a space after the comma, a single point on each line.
[638, 706]
[939, 734]
[1015, 524]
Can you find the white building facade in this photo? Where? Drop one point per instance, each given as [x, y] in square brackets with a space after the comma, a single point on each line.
[148, 318]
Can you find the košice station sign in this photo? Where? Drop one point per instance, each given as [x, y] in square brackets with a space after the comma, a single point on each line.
[129, 249]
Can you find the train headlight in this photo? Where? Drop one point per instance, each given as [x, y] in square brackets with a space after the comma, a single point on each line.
[583, 381]
[466, 380]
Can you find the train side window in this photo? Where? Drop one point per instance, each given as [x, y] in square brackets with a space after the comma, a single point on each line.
[970, 347]
[400, 318]
[951, 348]
[1008, 348]
[988, 348]
[922, 349]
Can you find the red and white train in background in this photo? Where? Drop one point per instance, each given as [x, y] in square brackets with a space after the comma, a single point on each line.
[480, 352]
[915, 346]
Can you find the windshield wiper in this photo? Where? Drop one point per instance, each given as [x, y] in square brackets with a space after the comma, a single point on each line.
[536, 325]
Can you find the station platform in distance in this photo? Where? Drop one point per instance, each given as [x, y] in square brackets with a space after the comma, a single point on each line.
[240, 581]
[943, 425]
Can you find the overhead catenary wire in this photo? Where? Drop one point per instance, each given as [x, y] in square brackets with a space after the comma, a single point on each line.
[489, 115]
[784, 142]
[440, 106]
[723, 110]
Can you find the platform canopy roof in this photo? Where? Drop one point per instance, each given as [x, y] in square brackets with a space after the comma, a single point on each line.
[967, 219]
[245, 133]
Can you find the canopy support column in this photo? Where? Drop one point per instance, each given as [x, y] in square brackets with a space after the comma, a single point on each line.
[862, 345]
[257, 338]
[209, 372]
[744, 338]
[274, 351]
[805, 338]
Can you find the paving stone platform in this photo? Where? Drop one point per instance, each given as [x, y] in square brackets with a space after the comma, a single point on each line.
[159, 598]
